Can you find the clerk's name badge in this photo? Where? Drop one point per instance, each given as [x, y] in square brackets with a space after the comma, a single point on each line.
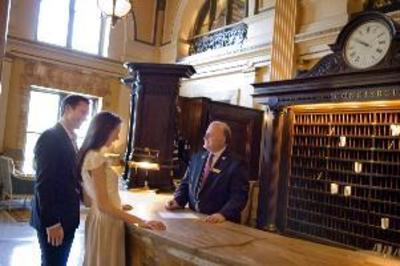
[215, 170]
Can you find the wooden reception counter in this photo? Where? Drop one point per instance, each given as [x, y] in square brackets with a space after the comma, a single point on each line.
[190, 241]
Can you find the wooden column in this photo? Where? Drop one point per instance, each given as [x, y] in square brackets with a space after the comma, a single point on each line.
[282, 53]
[270, 166]
[154, 91]
[4, 14]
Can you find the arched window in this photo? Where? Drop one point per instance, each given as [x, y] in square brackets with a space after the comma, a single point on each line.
[219, 13]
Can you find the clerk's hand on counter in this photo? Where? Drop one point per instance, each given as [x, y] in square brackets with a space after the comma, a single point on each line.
[215, 218]
[153, 225]
[172, 205]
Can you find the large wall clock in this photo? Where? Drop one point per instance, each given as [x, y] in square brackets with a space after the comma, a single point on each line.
[366, 41]
[367, 44]
[370, 40]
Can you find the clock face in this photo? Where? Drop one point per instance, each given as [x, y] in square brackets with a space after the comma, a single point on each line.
[367, 45]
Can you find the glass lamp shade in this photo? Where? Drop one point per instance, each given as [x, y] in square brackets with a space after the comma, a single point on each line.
[144, 165]
[145, 158]
[122, 7]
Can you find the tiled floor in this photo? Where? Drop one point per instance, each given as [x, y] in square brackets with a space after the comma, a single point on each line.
[19, 246]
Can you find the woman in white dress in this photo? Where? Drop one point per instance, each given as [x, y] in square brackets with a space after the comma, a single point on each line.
[104, 227]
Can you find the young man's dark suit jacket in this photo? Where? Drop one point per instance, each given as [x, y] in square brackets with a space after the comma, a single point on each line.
[225, 190]
[57, 189]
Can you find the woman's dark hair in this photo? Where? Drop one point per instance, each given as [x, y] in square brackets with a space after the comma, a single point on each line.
[100, 128]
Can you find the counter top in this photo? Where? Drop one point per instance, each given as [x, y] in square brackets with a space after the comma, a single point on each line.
[194, 242]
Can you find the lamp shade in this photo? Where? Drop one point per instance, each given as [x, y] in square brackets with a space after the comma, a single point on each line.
[144, 165]
[145, 158]
[122, 7]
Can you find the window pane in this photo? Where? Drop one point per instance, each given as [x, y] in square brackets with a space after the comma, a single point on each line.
[204, 27]
[31, 139]
[81, 132]
[53, 22]
[42, 104]
[220, 14]
[86, 28]
[263, 4]
[238, 10]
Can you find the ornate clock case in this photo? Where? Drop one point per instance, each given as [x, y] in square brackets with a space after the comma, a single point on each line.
[336, 63]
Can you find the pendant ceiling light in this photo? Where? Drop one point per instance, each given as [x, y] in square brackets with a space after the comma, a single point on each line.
[115, 9]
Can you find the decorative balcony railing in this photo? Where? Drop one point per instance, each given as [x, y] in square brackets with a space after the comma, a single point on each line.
[228, 36]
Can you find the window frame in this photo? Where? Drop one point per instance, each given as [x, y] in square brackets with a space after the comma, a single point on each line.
[71, 18]
[258, 8]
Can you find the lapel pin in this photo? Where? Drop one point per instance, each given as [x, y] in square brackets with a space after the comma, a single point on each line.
[215, 170]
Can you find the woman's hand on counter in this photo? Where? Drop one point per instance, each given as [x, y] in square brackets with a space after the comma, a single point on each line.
[153, 225]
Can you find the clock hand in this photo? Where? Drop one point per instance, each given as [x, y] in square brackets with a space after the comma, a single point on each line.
[362, 42]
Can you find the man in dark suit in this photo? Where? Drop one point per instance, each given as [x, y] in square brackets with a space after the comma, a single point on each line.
[55, 207]
[215, 183]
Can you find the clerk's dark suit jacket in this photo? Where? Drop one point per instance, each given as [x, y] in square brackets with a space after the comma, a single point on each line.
[225, 190]
[57, 188]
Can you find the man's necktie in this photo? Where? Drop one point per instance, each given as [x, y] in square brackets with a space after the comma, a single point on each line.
[74, 138]
[205, 173]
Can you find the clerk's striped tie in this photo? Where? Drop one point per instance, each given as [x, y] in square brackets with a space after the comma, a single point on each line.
[205, 172]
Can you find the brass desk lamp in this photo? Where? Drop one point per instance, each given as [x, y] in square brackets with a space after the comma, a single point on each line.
[145, 159]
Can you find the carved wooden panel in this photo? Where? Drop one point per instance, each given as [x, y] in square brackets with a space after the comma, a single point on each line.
[193, 120]
[246, 123]
[246, 131]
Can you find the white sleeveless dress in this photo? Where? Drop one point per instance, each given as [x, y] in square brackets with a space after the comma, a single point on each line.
[104, 235]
